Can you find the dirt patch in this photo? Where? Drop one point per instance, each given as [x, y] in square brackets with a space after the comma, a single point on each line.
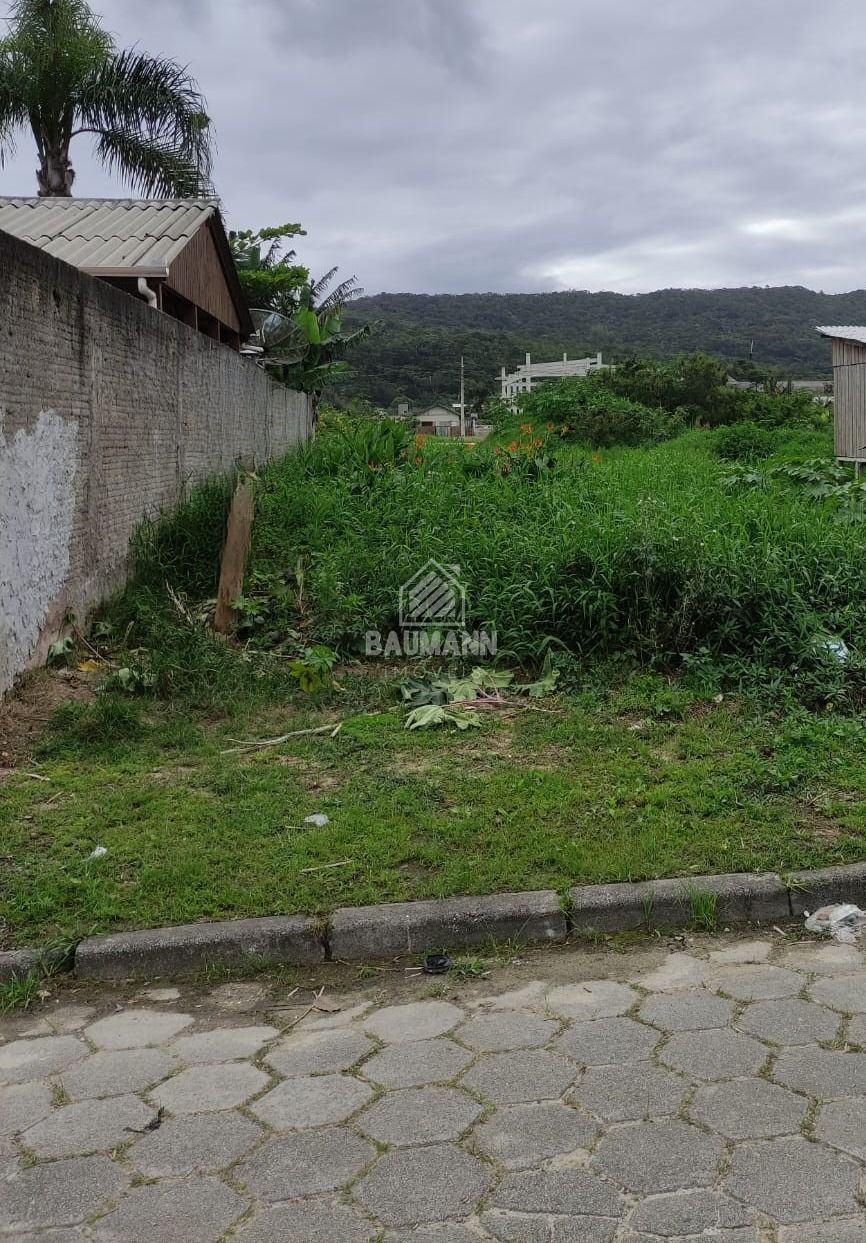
[26, 712]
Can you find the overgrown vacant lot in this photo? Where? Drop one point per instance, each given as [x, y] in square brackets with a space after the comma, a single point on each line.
[700, 721]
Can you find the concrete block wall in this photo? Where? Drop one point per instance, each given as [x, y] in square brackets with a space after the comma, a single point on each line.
[109, 411]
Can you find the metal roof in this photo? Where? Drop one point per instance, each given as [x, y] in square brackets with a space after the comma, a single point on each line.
[844, 332]
[108, 237]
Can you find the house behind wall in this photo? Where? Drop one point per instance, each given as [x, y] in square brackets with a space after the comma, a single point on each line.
[109, 411]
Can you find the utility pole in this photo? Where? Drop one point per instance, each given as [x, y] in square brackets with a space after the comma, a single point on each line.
[462, 399]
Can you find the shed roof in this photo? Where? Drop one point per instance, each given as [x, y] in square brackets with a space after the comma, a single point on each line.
[108, 237]
[844, 332]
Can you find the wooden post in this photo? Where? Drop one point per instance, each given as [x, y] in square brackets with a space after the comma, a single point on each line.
[236, 549]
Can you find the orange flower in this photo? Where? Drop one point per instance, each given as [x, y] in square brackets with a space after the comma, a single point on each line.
[537, 442]
[513, 447]
[526, 428]
[550, 426]
[418, 440]
[497, 449]
[372, 466]
[418, 459]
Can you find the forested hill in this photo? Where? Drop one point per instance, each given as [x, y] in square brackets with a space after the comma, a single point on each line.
[417, 350]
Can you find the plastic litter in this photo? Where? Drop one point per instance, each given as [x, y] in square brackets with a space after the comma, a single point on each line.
[436, 964]
[835, 647]
[319, 819]
[98, 852]
[843, 921]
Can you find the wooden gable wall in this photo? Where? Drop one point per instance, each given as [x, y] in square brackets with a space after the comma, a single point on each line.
[197, 274]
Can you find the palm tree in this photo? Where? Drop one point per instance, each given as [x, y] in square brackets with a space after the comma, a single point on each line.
[61, 75]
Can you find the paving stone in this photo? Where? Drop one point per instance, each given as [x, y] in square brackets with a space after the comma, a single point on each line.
[443, 1233]
[690, 1010]
[823, 1073]
[566, 1192]
[605, 1041]
[676, 972]
[496, 1033]
[591, 999]
[133, 1029]
[690, 1212]
[528, 996]
[842, 992]
[59, 1193]
[413, 1065]
[61, 1235]
[22, 1105]
[748, 1234]
[419, 1116]
[743, 951]
[521, 1228]
[298, 1103]
[33, 1059]
[856, 1033]
[305, 1163]
[630, 1093]
[87, 1126]
[196, 1210]
[789, 1021]
[843, 1125]
[223, 1044]
[241, 996]
[748, 1109]
[202, 1143]
[847, 1230]
[822, 959]
[313, 1053]
[60, 1020]
[309, 1221]
[792, 1180]
[423, 1184]
[525, 1135]
[518, 1077]
[659, 1156]
[160, 994]
[113, 1072]
[419, 1020]
[714, 1054]
[756, 982]
[204, 1088]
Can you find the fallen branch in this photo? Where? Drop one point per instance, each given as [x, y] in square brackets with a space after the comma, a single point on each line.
[323, 867]
[255, 744]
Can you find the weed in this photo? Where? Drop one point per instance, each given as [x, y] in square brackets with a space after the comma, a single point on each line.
[20, 992]
[702, 904]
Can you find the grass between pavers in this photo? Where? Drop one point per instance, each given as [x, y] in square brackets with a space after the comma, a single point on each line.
[648, 781]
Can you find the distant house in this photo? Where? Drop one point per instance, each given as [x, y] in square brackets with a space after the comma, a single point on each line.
[523, 379]
[848, 343]
[172, 253]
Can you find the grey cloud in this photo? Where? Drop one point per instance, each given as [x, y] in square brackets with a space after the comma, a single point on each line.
[502, 144]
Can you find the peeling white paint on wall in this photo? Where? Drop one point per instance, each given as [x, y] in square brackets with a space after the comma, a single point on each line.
[37, 514]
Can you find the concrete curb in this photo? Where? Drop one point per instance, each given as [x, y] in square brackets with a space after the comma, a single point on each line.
[395, 928]
[291, 939]
[738, 897]
[367, 932]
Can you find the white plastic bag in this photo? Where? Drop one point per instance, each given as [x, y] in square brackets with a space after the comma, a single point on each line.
[843, 921]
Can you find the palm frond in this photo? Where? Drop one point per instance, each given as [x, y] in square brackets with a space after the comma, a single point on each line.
[151, 168]
[135, 94]
[317, 288]
[13, 103]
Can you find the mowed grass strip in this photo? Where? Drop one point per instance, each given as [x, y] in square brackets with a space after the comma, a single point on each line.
[641, 783]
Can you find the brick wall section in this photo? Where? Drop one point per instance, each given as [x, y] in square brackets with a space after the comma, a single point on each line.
[109, 410]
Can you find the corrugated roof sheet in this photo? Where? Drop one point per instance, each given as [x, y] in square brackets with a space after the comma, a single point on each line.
[844, 332]
[107, 235]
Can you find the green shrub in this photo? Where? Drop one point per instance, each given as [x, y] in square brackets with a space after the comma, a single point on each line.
[743, 442]
[596, 416]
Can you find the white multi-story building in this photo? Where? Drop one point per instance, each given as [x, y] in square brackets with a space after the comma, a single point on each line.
[526, 377]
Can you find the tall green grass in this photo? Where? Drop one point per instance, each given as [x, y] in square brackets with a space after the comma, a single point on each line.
[643, 550]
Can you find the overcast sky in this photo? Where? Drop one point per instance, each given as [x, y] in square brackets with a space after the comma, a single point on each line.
[458, 145]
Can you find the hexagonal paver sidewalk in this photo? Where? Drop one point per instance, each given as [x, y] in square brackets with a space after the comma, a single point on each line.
[715, 1093]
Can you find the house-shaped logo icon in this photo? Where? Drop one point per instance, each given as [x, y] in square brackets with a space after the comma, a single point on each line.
[434, 596]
